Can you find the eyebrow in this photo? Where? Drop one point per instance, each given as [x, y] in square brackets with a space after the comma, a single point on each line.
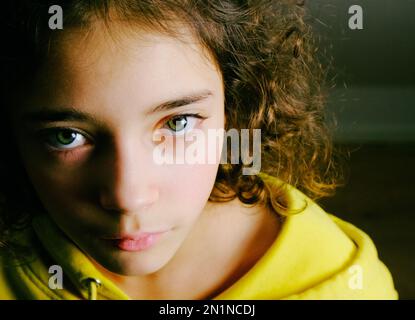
[72, 114]
[181, 102]
[51, 115]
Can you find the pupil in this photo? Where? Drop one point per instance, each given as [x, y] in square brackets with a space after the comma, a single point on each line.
[66, 137]
[179, 123]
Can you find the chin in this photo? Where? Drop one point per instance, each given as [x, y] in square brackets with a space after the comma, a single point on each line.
[133, 266]
[141, 269]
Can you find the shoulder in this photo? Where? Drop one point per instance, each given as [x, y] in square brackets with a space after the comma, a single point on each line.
[7, 291]
[357, 272]
[20, 267]
[343, 258]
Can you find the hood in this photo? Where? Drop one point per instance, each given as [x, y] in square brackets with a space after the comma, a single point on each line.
[315, 256]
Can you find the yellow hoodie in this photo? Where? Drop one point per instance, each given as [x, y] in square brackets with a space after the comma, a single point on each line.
[315, 256]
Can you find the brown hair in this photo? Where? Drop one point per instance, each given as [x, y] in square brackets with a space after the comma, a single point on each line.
[272, 79]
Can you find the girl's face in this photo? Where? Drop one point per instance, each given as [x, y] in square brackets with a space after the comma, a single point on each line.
[86, 139]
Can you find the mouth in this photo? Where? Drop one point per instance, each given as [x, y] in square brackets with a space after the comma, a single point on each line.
[136, 242]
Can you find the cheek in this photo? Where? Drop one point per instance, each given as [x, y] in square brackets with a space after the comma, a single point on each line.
[64, 196]
[190, 185]
[55, 187]
[47, 173]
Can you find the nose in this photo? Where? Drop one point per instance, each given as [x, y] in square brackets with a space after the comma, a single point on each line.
[128, 200]
[127, 187]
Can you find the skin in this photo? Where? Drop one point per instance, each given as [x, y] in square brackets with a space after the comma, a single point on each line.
[107, 182]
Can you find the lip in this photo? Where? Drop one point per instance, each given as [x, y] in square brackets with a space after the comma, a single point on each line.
[136, 242]
[134, 236]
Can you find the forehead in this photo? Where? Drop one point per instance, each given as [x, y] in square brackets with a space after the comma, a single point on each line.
[98, 64]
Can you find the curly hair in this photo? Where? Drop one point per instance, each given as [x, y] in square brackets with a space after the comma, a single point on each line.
[272, 79]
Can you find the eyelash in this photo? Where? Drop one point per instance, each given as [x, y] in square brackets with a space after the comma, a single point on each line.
[184, 115]
[46, 134]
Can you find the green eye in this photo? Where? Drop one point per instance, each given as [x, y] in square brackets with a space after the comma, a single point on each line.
[66, 137]
[177, 123]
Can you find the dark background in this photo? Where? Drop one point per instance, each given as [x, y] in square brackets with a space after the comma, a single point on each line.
[374, 103]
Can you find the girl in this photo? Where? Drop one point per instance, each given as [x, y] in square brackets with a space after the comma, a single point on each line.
[88, 212]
